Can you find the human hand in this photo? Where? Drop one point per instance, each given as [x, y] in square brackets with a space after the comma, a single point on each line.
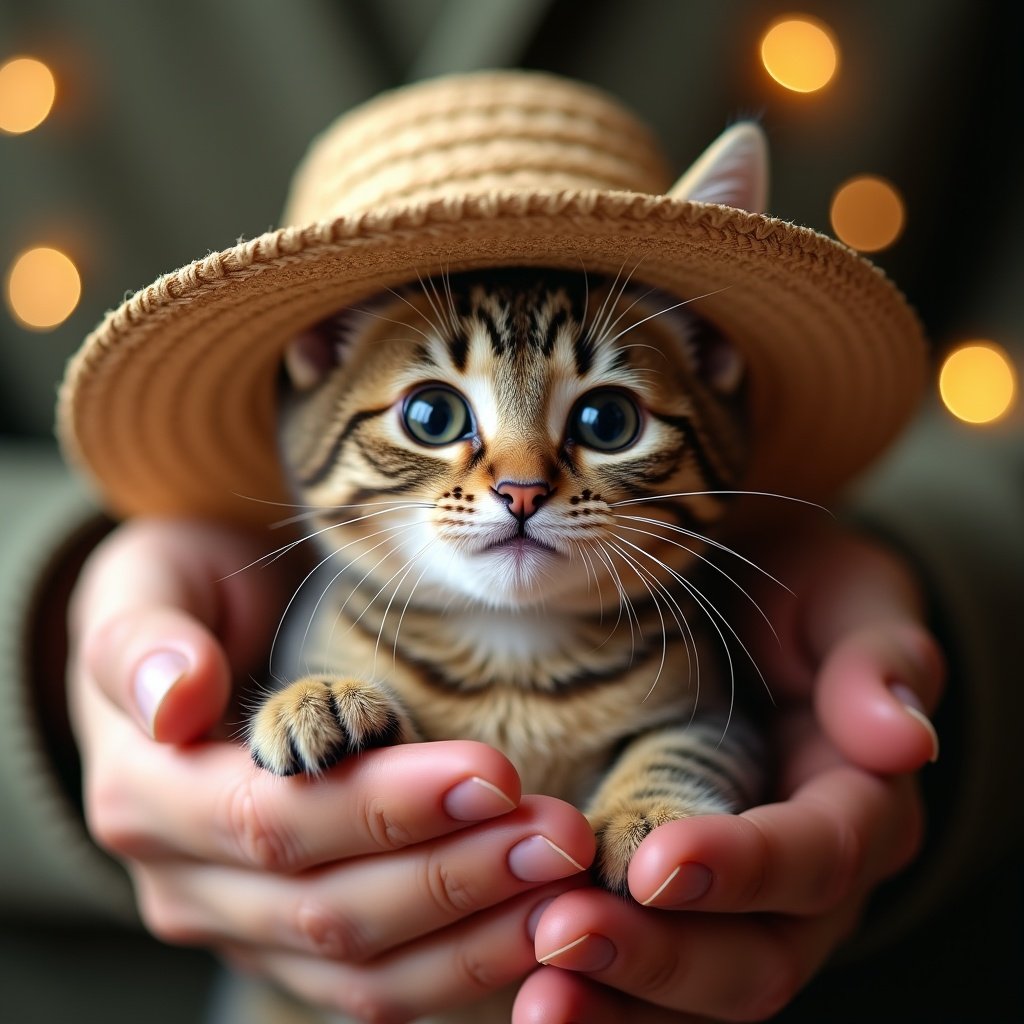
[400, 883]
[777, 888]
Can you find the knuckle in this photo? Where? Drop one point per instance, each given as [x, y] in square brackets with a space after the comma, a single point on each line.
[164, 917]
[110, 818]
[447, 889]
[847, 866]
[661, 973]
[381, 828]
[254, 837]
[371, 1006]
[474, 973]
[330, 934]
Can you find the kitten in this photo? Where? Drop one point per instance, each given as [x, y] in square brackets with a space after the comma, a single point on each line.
[508, 474]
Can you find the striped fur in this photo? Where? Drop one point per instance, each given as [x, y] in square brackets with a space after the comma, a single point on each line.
[529, 583]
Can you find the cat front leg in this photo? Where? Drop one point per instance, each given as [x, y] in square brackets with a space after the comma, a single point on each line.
[317, 720]
[676, 771]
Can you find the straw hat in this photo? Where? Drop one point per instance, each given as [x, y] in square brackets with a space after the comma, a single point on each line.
[169, 405]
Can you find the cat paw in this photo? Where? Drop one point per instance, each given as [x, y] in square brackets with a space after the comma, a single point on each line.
[619, 833]
[316, 721]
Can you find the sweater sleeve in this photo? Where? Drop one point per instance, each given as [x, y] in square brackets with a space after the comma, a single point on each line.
[48, 865]
[951, 498]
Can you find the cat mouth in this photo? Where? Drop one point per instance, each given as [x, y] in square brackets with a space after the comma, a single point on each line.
[520, 546]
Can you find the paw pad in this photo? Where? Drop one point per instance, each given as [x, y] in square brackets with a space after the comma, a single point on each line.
[315, 722]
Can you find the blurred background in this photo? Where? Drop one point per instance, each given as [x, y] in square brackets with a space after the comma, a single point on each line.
[136, 137]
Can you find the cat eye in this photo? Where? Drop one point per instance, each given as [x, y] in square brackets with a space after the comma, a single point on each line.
[437, 415]
[606, 420]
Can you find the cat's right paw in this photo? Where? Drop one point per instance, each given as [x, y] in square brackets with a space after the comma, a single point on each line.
[317, 720]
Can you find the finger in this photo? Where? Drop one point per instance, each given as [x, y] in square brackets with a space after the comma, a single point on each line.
[158, 616]
[723, 966]
[840, 832]
[551, 996]
[209, 802]
[835, 584]
[462, 964]
[874, 693]
[365, 907]
[164, 668]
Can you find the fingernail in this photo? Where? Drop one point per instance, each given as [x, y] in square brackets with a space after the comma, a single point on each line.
[589, 952]
[154, 677]
[476, 799]
[537, 859]
[913, 707]
[686, 883]
[535, 915]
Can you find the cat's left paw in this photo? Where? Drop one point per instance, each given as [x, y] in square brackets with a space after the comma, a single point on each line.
[316, 721]
[620, 830]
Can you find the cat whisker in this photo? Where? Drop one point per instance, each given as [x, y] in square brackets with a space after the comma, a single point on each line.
[401, 618]
[435, 327]
[667, 309]
[707, 540]
[618, 320]
[718, 493]
[453, 313]
[710, 611]
[280, 552]
[689, 640]
[706, 561]
[624, 602]
[714, 616]
[600, 327]
[316, 511]
[690, 645]
[407, 567]
[630, 561]
[389, 531]
[398, 323]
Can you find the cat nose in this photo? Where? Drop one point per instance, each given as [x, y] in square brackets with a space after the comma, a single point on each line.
[522, 500]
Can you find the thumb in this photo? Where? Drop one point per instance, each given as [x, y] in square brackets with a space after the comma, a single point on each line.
[161, 617]
[164, 668]
[875, 691]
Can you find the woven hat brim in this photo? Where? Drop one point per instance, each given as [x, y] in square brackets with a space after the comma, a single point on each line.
[169, 407]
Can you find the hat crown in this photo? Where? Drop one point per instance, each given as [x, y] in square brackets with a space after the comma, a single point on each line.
[472, 135]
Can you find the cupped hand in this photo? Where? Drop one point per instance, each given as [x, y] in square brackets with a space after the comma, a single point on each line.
[773, 891]
[400, 883]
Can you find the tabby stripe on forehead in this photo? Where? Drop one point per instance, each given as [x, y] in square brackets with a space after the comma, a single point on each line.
[458, 349]
[319, 473]
[583, 351]
[555, 324]
[490, 325]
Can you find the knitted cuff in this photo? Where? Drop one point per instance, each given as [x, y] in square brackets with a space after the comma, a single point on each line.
[48, 865]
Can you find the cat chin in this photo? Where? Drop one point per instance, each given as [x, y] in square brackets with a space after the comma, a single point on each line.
[511, 576]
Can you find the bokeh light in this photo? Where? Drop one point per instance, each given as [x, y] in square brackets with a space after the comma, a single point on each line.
[977, 382]
[43, 288]
[27, 92]
[800, 53]
[867, 213]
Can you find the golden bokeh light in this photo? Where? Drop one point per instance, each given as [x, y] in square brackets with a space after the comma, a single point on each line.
[977, 382]
[27, 92]
[867, 213]
[43, 288]
[800, 53]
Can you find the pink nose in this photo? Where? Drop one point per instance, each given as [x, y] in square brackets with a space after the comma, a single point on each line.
[523, 499]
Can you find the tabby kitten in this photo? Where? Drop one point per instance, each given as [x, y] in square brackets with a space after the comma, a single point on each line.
[508, 474]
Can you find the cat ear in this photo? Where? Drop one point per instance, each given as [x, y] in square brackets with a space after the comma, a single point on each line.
[733, 171]
[721, 363]
[310, 356]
